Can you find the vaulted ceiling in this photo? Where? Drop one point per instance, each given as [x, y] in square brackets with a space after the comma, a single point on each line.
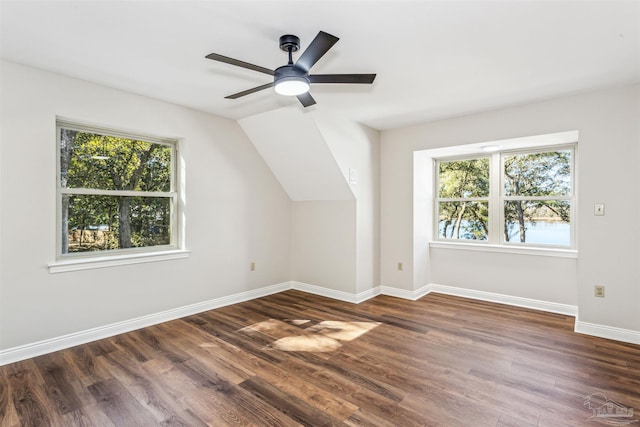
[434, 59]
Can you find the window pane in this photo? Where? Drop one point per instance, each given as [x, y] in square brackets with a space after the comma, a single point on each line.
[94, 223]
[464, 178]
[463, 220]
[538, 174]
[89, 160]
[546, 222]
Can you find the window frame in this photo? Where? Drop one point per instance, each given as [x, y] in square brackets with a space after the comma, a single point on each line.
[496, 224]
[65, 261]
[572, 148]
[439, 200]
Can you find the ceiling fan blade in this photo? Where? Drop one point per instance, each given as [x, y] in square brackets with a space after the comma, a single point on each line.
[249, 91]
[342, 78]
[236, 62]
[306, 99]
[318, 47]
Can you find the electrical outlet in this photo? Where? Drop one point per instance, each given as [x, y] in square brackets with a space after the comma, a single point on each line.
[400, 266]
[598, 291]
[253, 266]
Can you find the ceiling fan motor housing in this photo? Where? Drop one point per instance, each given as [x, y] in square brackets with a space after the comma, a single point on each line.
[287, 72]
[289, 41]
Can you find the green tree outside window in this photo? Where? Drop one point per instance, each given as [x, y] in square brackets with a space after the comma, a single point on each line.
[533, 198]
[116, 192]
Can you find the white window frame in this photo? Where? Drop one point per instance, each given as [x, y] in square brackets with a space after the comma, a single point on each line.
[439, 199]
[570, 198]
[98, 259]
[495, 238]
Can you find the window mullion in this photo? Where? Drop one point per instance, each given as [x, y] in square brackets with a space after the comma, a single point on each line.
[126, 193]
[463, 199]
[495, 202]
[535, 198]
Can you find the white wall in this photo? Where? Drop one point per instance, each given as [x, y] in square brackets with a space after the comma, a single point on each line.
[356, 147]
[608, 246]
[236, 212]
[323, 248]
[541, 278]
[335, 231]
[290, 143]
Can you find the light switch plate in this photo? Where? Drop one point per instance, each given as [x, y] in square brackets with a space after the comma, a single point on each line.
[353, 176]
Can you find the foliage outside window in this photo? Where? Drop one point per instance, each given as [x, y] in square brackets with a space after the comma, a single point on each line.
[463, 199]
[116, 191]
[528, 200]
[536, 197]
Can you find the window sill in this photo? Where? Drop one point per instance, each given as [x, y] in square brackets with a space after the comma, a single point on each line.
[519, 250]
[63, 266]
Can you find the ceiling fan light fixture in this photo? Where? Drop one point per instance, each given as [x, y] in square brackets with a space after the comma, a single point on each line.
[292, 85]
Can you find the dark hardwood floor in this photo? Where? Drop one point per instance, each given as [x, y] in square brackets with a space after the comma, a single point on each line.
[299, 359]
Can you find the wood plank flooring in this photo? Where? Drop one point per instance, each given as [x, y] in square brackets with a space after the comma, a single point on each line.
[297, 359]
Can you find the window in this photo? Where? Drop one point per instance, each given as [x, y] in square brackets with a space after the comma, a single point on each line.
[463, 199]
[116, 192]
[509, 198]
[536, 197]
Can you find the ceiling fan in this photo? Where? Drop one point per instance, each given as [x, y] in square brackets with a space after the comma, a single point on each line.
[294, 79]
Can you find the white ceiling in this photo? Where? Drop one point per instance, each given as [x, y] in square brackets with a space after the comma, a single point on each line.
[434, 59]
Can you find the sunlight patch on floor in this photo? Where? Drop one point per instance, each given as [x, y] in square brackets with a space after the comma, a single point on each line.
[312, 343]
[266, 326]
[322, 337]
[343, 331]
[299, 322]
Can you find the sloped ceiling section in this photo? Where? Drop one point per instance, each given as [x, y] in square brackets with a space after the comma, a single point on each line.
[291, 144]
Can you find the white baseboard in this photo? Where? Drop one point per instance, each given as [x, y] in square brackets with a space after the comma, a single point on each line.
[609, 332]
[406, 294]
[50, 345]
[335, 294]
[82, 337]
[553, 307]
[362, 296]
[368, 294]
